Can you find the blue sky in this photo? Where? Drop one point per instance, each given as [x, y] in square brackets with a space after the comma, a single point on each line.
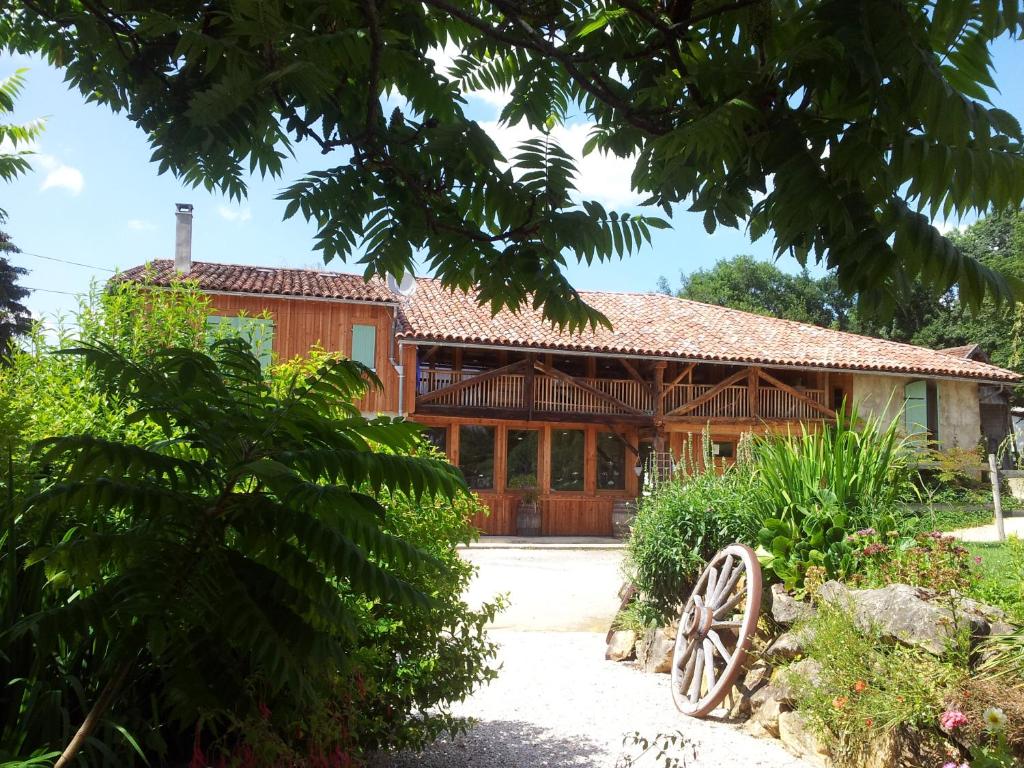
[94, 197]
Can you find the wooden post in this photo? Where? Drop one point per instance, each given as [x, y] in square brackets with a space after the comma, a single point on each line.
[997, 502]
[753, 398]
[528, 394]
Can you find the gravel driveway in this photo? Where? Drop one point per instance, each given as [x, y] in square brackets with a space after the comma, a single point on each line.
[557, 702]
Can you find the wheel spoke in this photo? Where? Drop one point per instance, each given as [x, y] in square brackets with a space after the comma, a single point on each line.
[723, 579]
[726, 608]
[709, 592]
[698, 674]
[687, 676]
[730, 624]
[683, 655]
[720, 647]
[709, 666]
[725, 589]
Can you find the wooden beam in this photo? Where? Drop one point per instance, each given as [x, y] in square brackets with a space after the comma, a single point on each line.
[460, 385]
[634, 373]
[798, 395]
[699, 401]
[688, 368]
[555, 373]
[431, 352]
[474, 414]
[658, 393]
[753, 396]
[528, 392]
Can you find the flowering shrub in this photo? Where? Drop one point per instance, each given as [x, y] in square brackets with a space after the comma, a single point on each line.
[932, 560]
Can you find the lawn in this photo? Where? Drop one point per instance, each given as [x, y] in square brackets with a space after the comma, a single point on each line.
[1001, 575]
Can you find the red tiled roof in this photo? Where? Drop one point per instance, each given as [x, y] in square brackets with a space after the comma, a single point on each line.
[275, 281]
[653, 324]
[966, 351]
[643, 324]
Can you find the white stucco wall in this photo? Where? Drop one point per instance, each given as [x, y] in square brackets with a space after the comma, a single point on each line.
[959, 415]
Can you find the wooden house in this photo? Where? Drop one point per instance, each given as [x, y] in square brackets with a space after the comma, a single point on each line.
[576, 419]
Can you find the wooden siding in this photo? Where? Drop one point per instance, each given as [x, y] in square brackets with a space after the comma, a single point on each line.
[300, 324]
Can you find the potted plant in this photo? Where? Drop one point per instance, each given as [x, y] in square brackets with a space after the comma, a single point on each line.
[528, 510]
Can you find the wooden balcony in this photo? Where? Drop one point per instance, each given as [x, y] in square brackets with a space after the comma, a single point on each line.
[540, 392]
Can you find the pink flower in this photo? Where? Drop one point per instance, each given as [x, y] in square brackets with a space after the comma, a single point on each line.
[977, 561]
[952, 719]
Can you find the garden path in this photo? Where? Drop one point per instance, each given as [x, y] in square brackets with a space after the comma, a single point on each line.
[1014, 526]
[556, 701]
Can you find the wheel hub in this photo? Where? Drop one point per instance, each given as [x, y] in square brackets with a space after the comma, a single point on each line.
[697, 622]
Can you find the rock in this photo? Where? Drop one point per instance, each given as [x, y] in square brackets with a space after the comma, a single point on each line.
[768, 705]
[800, 739]
[758, 675]
[1001, 628]
[786, 681]
[788, 646]
[900, 612]
[621, 645]
[655, 649]
[786, 609]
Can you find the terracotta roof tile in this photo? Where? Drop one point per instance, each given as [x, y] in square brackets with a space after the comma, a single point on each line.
[653, 324]
[275, 281]
[643, 324]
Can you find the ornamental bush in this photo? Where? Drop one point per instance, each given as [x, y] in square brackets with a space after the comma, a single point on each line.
[680, 525]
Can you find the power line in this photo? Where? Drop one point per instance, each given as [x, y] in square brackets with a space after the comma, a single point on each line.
[49, 290]
[66, 261]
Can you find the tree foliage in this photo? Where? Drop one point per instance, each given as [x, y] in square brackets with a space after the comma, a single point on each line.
[761, 287]
[228, 563]
[15, 150]
[840, 128]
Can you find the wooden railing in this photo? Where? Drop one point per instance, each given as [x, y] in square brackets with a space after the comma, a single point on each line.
[556, 396]
[779, 404]
[625, 396]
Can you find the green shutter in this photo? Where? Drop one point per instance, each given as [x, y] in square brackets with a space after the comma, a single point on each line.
[258, 331]
[364, 345]
[915, 408]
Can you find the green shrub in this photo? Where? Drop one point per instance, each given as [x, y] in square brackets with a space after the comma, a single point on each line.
[810, 491]
[680, 526]
[384, 672]
[866, 687]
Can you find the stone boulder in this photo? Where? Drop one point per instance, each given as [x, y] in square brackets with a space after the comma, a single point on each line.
[800, 739]
[786, 609]
[788, 646]
[655, 649]
[902, 613]
[621, 645]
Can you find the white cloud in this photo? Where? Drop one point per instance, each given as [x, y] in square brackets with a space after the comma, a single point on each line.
[234, 214]
[601, 177]
[141, 225]
[58, 175]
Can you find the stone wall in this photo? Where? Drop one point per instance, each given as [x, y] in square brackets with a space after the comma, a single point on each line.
[959, 413]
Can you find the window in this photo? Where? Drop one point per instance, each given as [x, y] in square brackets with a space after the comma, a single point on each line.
[567, 459]
[258, 331]
[921, 409]
[521, 452]
[476, 456]
[611, 462]
[437, 437]
[723, 450]
[364, 345]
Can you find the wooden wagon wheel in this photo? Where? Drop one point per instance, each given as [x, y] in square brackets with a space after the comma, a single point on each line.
[716, 629]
